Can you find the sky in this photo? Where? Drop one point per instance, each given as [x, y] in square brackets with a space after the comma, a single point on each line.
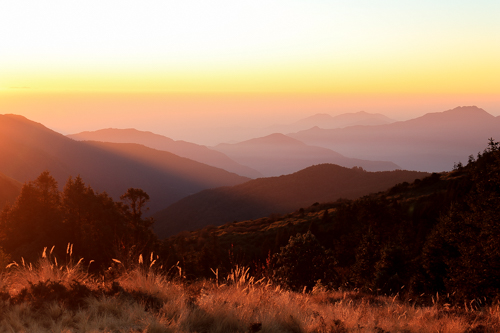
[174, 66]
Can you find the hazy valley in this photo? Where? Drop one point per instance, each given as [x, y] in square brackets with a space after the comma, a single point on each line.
[432, 142]
[326, 213]
[113, 160]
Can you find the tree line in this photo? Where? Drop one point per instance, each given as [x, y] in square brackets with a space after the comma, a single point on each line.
[439, 234]
[97, 227]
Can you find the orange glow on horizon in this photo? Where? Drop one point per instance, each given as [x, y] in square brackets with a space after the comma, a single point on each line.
[313, 79]
[182, 115]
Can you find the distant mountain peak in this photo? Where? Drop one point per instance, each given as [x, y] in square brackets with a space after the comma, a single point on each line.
[122, 131]
[181, 148]
[468, 109]
[273, 139]
[23, 121]
[11, 115]
[461, 114]
[20, 118]
[317, 117]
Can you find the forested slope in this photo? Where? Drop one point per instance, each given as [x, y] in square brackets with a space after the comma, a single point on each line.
[440, 234]
[275, 195]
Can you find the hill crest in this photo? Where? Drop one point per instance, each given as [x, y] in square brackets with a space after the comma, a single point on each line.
[181, 148]
[261, 197]
[29, 148]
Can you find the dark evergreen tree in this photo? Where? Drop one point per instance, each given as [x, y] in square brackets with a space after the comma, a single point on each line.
[390, 269]
[34, 221]
[142, 239]
[463, 256]
[302, 262]
[99, 228]
[367, 255]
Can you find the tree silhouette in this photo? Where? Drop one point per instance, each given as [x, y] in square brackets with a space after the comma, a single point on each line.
[142, 239]
[34, 221]
[136, 200]
[99, 228]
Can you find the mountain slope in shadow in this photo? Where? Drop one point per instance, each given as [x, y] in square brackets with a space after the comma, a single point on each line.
[264, 196]
[181, 148]
[433, 142]
[28, 148]
[278, 154]
[9, 190]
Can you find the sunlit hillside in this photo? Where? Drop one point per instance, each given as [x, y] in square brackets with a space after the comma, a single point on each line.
[50, 297]
[29, 148]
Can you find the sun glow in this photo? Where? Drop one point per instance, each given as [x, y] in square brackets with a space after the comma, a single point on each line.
[224, 46]
[241, 61]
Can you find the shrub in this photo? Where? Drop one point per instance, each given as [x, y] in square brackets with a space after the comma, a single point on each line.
[302, 262]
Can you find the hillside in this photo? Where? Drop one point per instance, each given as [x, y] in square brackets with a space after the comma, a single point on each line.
[181, 148]
[274, 195]
[433, 142]
[434, 236]
[28, 148]
[9, 189]
[406, 212]
[55, 297]
[278, 154]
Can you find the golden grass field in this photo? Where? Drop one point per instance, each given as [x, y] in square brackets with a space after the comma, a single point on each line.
[49, 297]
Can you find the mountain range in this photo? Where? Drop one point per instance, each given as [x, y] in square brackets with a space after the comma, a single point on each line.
[275, 195]
[29, 148]
[324, 120]
[181, 148]
[278, 154]
[244, 132]
[188, 192]
[432, 142]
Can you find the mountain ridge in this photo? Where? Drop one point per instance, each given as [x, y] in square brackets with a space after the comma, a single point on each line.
[275, 195]
[181, 148]
[432, 142]
[278, 154]
[325, 120]
[30, 148]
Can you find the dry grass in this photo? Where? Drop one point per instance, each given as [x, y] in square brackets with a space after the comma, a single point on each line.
[48, 297]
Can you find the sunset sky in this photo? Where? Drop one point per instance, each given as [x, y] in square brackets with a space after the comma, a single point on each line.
[168, 65]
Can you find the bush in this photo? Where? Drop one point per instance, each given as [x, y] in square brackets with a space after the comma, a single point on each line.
[302, 262]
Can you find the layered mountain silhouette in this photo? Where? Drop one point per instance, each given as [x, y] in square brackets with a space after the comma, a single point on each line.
[236, 134]
[323, 120]
[264, 196]
[433, 142]
[29, 148]
[181, 148]
[278, 154]
[9, 190]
